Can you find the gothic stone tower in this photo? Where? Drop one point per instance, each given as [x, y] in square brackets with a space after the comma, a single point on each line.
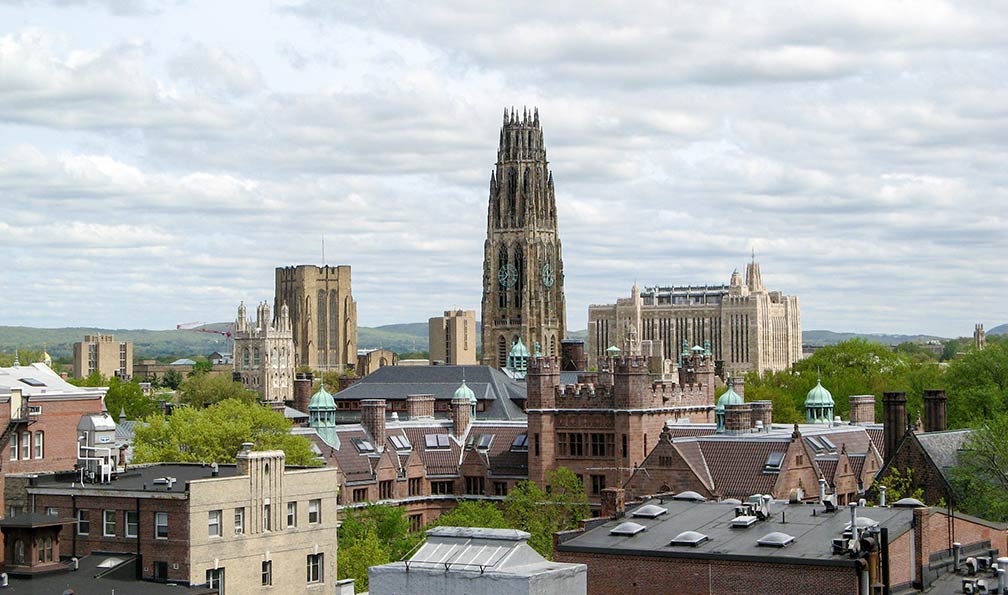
[523, 278]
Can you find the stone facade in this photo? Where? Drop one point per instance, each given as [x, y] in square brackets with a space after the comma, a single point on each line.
[747, 326]
[453, 338]
[323, 315]
[264, 353]
[103, 354]
[371, 359]
[523, 276]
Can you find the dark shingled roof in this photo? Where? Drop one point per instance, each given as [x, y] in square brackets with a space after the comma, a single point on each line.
[395, 383]
[736, 466]
[943, 447]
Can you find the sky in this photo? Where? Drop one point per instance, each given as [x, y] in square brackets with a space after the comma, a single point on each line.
[159, 159]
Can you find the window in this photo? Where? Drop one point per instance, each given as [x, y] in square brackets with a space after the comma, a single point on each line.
[500, 488]
[415, 486]
[239, 518]
[83, 522]
[39, 445]
[385, 489]
[571, 444]
[51, 511]
[214, 523]
[624, 446]
[400, 441]
[267, 517]
[132, 523]
[598, 484]
[267, 573]
[520, 443]
[14, 448]
[48, 549]
[215, 579]
[26, 445]
[602, 445]
[315, 511]
[360, 495]
[773, 462]
[315, 568]
[442, 487]
[161, 525]
[291, 515]
[415, 523]
[474, 485]
[108, 523]
[436, 441]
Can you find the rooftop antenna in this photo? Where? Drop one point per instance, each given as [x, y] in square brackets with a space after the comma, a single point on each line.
[754, 255]
[323, 249]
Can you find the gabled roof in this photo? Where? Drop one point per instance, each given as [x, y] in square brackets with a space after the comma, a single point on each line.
[737, 466]
[943, 447]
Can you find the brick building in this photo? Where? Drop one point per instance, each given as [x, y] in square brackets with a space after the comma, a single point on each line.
[605, 426]
[239, 528]
[686, 545]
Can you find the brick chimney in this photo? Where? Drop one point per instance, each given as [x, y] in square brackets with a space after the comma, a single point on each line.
[613, 501]
[862, 409]
[738, 418]
[762, 411]
[738, 385]
[460, 416]
[894, 419]
[373, 419]
[418, 406]
[303, 391]
[935, 419]
[922, 553]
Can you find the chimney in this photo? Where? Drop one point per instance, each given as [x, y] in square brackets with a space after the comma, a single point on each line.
[460, 416]
[303, 391]
[738, 385]
[862, 409]
[935, 419]
[373, 419]
[542, 381]
[922, 555]
[762, 411]
[894, 419]
[738, 418]
[418, 406]
[613, 501]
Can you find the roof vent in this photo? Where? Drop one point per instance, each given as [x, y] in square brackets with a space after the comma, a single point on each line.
[732, 501]
[742, 521]
[862, 522]
[908, 503]
[690, 496]
[649, 511]
[775, 539]
[689, 538]
[627, 528]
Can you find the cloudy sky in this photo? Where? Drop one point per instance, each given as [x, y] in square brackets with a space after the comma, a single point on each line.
[158, 160]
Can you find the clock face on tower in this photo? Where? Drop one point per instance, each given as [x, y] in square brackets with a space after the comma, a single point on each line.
[547, 275]
[508, 275]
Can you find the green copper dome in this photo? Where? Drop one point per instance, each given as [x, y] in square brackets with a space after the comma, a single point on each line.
[613, 351]
[464, 392]
[322, 400]
[819, 396]
[729, 398]
[519, 349]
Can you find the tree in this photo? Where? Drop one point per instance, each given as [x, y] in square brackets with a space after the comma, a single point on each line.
[980, 479]
[215, 434]
[899, 484]
[474, 513]
[204, 389]
[544, 512]
[171, 379]
[200, 367]
[376, 534]
[128, 396]
[356, 555]
[977, 385]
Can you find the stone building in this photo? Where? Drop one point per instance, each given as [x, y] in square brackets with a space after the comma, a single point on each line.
[453, 338]
[747, 326]
[248, 527]
[323, 315]
[605, 426]
[369, 360]
[979, 336]
[264, 353]
[523, 278]
[102, 354]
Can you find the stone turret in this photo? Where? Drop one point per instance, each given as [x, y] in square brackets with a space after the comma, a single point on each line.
[541, 382]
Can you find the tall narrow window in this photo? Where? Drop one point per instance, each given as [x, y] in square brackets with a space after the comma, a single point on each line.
[132, 523]
[267, 517]
[267, 573]
[292, 514]
[239, 521]
[215, 579]
[315, 574]
[214, 523]
[26, 445]
[161, 525]
[83, 522]
[13, 447]
[315, 511]
[39, 444]
[109, 523]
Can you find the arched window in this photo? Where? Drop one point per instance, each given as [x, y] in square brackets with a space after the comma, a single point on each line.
[320, 319]
[502, 261]
[274, 358]
[502, 352]
[512, 194]
[519, 262]
[553, 350]
[19, 552]
[39, 444]
[255, 357]
[246, 357]
[334, 321]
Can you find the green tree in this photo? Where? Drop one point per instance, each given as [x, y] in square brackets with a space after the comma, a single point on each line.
[899, 484]
[204, 389]
[24, 356]
[474, 513]
[355, 555]
[200, 367]
[216, 433]
[91, 380]
[544, 512]
[128, 396]
[977, 385]
[980, 479]
[172, 379]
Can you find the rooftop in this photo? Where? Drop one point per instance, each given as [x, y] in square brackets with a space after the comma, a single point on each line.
[143, 478]
[99, 573]
[38, 380]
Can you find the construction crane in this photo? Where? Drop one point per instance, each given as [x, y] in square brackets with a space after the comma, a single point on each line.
[200, 327]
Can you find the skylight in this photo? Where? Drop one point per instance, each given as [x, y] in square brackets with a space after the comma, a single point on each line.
[775, 539]
[773, 462]
[400, 442]
[649, 511]
[484, 440]
[363, 445]
[520, 443]
[436, 441]
[829, 443]
[744, 520]
[32, 381]
[689, 538]
[690, 496]
[908, 503]
[627, 528]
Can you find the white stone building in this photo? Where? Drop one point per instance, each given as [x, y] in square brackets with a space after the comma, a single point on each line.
[264, 353]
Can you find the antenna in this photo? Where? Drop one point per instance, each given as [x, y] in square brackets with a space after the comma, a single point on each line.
[323, 249]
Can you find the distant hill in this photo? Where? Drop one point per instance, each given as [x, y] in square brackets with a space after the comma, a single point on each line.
[832, 338]
[999, 330]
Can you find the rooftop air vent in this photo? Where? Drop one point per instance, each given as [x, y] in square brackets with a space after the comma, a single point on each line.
[908, 503]
[862, 522]
[689, 538]
[649, 511]
[732, 501]
[742, 521]
[689, 496]
[627, 528]
[775, 539]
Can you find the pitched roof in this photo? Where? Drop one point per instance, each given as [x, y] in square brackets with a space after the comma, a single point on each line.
[943, 447]
[736, 466]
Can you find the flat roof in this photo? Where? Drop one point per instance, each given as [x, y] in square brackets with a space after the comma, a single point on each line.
[138, 479]
[812, 543]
